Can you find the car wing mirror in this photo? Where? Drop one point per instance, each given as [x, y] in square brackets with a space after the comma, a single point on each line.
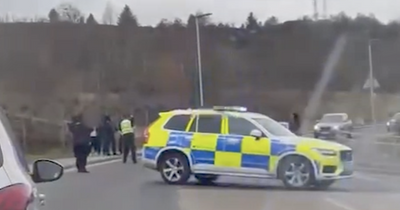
[256, 134]
[44, 170]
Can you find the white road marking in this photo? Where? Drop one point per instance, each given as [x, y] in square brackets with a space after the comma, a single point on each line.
[93, 165]
[339, 204]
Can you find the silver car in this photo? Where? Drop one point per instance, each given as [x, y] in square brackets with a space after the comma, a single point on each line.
[333, 125]
[393, 125]
[17, 181]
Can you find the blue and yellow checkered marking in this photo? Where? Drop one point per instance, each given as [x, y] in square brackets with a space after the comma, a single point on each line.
[278, 148]
[179, 139]
[228, 149]
[151, 152]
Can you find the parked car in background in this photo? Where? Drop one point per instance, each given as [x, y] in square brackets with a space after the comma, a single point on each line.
[333, 125]
[393, 124]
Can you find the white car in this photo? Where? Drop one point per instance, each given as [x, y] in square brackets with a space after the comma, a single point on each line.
[17, 182]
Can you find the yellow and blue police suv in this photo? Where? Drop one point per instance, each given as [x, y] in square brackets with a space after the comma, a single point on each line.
[229, 141]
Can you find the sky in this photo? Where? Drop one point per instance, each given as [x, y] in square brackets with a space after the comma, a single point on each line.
[150, 12]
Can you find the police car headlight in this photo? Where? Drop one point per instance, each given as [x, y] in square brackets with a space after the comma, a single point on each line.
[326, 152]
[316, 127]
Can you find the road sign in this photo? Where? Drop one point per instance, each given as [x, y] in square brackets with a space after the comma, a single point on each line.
[368, 83]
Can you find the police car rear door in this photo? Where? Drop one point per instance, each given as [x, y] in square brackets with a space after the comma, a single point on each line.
[206, 128]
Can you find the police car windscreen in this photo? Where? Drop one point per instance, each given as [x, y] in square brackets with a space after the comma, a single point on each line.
[273, 127]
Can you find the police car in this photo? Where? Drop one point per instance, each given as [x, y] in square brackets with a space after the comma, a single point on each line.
[230, 141]
[17, 181]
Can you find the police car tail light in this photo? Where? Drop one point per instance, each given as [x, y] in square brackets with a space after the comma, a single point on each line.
[15, 197]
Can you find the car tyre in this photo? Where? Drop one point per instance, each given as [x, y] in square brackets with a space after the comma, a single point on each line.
[296, 172]
[206, 179]
[323, 185]
[174, 168]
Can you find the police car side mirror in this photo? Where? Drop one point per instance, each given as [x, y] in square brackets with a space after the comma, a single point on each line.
[256, 134]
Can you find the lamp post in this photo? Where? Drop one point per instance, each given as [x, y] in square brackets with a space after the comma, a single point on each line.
[371, 80]
[197, 17]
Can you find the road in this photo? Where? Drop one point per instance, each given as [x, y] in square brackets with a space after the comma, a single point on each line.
[126, 187]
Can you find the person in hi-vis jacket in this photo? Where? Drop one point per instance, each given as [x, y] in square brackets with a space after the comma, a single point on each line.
[126, 129]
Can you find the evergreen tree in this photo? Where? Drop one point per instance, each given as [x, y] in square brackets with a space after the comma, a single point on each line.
[191, 21]
[252, 23]
[127, 18]
[91, 20]
[53, 16]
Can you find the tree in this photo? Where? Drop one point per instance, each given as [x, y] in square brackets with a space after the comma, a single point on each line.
[109, 14]
[70, 13]
[91, 20]
[271, 21]
[164, 23]
[178, 23]
[252, 23]
[53, 16]
[127, 18]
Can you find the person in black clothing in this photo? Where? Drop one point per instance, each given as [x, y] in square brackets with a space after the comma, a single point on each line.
[107, 131]
[294, 124]
[81, 142]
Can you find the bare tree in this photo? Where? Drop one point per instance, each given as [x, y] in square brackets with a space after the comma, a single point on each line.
[109, 15]
[69, 12]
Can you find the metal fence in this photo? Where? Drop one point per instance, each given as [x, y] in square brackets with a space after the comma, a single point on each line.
[37, 133]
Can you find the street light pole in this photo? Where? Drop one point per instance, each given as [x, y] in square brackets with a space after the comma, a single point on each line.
[199, 56]
[371, 80]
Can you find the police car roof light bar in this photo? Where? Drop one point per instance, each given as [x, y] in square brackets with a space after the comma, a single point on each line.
[230, 108]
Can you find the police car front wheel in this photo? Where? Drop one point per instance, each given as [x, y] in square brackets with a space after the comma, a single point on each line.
[296, 172]
[174, 168]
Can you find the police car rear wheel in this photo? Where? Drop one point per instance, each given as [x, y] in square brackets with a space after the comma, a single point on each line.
[296, 172]
[206, 179]
[175, 169]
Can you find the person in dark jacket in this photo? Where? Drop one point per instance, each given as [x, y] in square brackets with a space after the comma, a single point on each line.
[294, 124]
[107, 131]
[81, 142]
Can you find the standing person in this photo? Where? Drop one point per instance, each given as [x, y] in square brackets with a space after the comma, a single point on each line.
[294, 124]
[107, 136]
[81, 142]
[128, 139]
[95, 141]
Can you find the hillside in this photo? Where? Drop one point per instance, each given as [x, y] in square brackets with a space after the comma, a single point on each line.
[59, 68]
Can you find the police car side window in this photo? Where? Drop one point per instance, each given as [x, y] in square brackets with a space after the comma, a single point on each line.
[207, 124]
[240, 126]
[177, 122]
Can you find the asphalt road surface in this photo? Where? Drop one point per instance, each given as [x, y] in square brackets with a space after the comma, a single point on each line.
[126, 187]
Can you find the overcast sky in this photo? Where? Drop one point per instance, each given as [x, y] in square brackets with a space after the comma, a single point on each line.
[149, 12]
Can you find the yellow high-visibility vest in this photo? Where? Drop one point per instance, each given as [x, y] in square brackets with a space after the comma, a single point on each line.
[126, 127]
